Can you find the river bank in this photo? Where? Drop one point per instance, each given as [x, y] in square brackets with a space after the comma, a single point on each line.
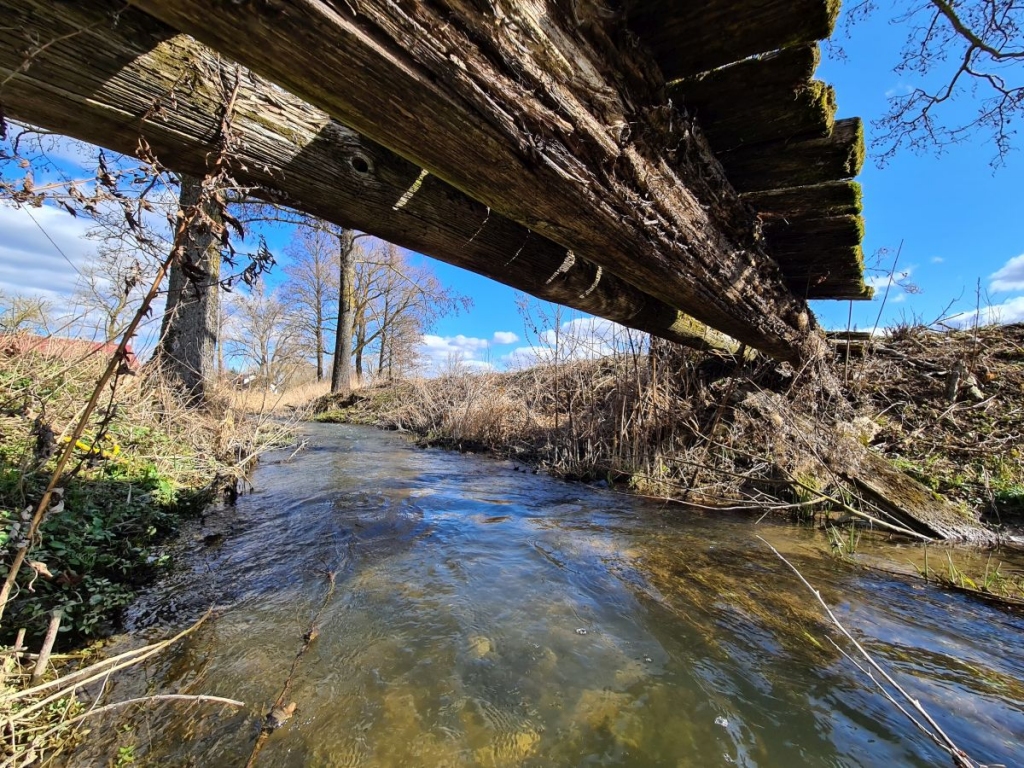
[145, 462]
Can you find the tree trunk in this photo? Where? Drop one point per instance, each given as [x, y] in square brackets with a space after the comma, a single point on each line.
[318, 339]
[292, 152]
[341, 375]
[360, 346]
[188, 334]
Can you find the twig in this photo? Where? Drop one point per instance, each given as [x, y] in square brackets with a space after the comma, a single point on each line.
[48, 641]
[195, 699]
[960, 758]
[281, 703]
[93, 673]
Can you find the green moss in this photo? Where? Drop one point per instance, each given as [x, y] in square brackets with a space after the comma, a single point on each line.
[820, 98]
[832, 8]
[857, 150]
[856, 197]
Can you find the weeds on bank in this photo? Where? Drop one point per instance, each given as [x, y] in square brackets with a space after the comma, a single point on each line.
[45, 714]
[947, 406]
[993, 580]
[143, 463]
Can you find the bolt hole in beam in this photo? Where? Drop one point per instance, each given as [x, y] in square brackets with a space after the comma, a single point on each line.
[360, 164]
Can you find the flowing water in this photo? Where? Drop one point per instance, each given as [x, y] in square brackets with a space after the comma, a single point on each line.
[489, 617]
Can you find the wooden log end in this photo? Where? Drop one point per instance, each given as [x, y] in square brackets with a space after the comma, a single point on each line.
[798, 162]
[832, 198]
[687, 38]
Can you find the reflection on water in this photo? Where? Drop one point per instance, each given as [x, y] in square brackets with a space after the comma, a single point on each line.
[485, 617]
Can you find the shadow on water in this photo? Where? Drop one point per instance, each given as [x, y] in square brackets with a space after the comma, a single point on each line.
[484, 617]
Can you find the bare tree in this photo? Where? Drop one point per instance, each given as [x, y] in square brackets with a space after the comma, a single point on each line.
[955, 48]
[396, 302]
[311, 289]
[24, 313]
[110, 288]
[259, 333]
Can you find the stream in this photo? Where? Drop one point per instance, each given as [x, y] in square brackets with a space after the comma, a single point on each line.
[485, 616]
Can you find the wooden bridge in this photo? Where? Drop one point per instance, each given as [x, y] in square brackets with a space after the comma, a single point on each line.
[669, 165]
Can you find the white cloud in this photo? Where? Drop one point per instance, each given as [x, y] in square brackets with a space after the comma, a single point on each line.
[937, 259]
[504, 337]
[30, 265]
[900, 89]
[1009, 277]
[1009, 311]
[442, 351]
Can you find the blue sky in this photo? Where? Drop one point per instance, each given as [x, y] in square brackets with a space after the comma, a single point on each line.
[958, 220]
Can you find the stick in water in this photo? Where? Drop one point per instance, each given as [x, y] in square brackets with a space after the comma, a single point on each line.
[936, 733]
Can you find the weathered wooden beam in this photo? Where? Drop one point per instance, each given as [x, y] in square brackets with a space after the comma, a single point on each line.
[832, 198]
[798, 163]
[815, 233]
[110, 76]
[838, 452]
[539, 114]
[765, 99]
[834, 274]
[820, 257]
[807, 237]
[687, 37]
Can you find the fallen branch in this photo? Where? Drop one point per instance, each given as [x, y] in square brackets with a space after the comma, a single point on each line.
[934, 732]
[92, 673]
[201, 699]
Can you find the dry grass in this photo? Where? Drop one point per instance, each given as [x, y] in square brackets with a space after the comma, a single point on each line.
[266, 401]
[662, 423]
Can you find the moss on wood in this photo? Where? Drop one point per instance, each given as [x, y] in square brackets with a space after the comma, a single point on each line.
[797, 163]
[687, 38]
[833, 198]
[834, 274]
[758, 100]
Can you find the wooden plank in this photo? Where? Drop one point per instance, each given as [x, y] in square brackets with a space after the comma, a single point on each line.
[102, 82]
[810, 236]
[836, 451]
[545, 120]
[834, 274]
[833, 198]
[687, 38]
[798, 163]
[821, 257]
[765, 99]
[910, 501]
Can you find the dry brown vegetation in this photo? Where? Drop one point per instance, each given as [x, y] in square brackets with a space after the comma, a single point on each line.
[667, 424]
[948, 409]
